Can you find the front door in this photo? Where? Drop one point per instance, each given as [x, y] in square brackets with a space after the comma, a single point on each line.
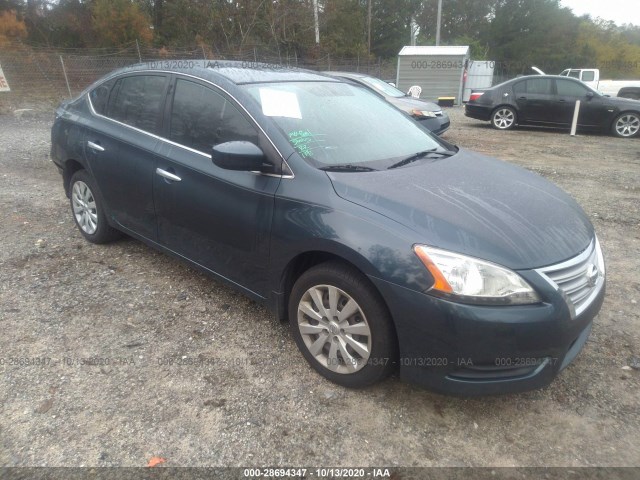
[219, 218]
[593, 110]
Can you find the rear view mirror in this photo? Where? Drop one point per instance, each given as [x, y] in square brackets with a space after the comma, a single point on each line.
[242, 156]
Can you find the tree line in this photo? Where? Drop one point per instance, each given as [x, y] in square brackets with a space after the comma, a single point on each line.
[516, 33]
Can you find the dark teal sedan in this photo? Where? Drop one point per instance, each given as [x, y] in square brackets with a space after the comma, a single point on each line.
[384, 246]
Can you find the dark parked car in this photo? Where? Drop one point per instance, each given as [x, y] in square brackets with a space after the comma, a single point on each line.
[549, 100]
[382, 244]
[428, 113]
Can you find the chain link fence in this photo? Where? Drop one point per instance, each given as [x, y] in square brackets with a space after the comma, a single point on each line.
[55, 74]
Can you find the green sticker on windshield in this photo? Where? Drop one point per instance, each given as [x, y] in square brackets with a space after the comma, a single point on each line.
[304, 142]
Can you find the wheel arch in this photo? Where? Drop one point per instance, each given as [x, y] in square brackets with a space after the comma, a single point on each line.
[509, 105]
[71, 166]
[306, 260]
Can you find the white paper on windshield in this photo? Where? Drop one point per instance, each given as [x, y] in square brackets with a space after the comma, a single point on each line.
[276, 103]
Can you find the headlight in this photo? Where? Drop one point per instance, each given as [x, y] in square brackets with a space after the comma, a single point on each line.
[471, 280]
[425, 113]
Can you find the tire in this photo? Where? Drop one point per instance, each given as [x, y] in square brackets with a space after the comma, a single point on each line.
[327, 341]
[87, 209]
[626, 125]
[504, 118]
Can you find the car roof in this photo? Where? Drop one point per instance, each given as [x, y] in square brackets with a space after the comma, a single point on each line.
[236, 72]
[525, 77]
[347, 74]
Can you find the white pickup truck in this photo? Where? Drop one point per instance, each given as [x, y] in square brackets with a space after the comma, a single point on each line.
[613, 88]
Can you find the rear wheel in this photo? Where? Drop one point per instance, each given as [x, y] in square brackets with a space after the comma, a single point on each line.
[88, 212]
[626, 125]
[503, 118]
[342, 326]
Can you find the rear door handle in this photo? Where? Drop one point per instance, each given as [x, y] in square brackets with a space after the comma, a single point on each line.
[168, 175]
[95, 146]
[522, 98]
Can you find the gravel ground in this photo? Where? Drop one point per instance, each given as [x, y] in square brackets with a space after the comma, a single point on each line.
[112, 355]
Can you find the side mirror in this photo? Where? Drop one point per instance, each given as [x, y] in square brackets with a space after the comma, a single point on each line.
[589, 95]
[242, 156]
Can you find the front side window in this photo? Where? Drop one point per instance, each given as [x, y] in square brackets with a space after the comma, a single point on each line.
[139, 101]
[567, 88]
[202, 118]
[332, 123]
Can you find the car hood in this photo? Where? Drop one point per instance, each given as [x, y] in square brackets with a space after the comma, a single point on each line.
[407, 104]
[623, 102]
[475, 205]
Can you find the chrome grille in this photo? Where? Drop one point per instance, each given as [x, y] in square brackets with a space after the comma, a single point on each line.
[580, 278]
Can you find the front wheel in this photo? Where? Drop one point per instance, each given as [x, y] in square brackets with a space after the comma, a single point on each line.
[626, 125]
[342, 326]
[503, 118]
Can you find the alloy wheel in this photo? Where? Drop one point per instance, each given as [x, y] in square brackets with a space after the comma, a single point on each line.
[334, 329]
[504, 118]
[84, 207]
[627, 125]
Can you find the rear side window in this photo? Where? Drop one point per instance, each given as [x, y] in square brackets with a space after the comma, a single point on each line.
[202, 118]
[540, 86]
[588, 76]
[138, 101]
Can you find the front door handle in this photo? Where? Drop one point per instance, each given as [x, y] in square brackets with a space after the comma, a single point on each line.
[95, 146]
[168, 175]
[522, 98]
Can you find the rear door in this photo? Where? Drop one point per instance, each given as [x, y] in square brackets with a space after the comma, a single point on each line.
[534, 98]
[219, 218]
[120, 145]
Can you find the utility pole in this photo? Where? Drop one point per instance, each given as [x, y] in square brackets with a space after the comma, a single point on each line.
[369, 29]
[315, 21]
[439, 22]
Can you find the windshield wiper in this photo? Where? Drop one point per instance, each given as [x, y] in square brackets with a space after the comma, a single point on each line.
[419, 155]
[347, 168]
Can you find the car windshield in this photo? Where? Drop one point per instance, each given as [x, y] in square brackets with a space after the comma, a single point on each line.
[382, 86]
[341, 124]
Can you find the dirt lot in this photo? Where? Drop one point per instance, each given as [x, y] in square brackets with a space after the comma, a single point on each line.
[144, 318]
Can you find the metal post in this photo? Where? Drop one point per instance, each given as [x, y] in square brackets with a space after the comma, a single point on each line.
[204, 55]
[439, 22]
[255, 56]
[66, 79]
[138, 48]
[315, 21]
[369, 29]
[574, 124]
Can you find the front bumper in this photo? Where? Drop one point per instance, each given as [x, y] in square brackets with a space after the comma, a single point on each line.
[437, 125]
[478, 350]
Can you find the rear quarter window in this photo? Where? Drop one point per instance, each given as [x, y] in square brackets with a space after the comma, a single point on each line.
[100, 96]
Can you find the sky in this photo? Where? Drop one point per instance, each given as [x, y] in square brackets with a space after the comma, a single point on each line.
[620, 11]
